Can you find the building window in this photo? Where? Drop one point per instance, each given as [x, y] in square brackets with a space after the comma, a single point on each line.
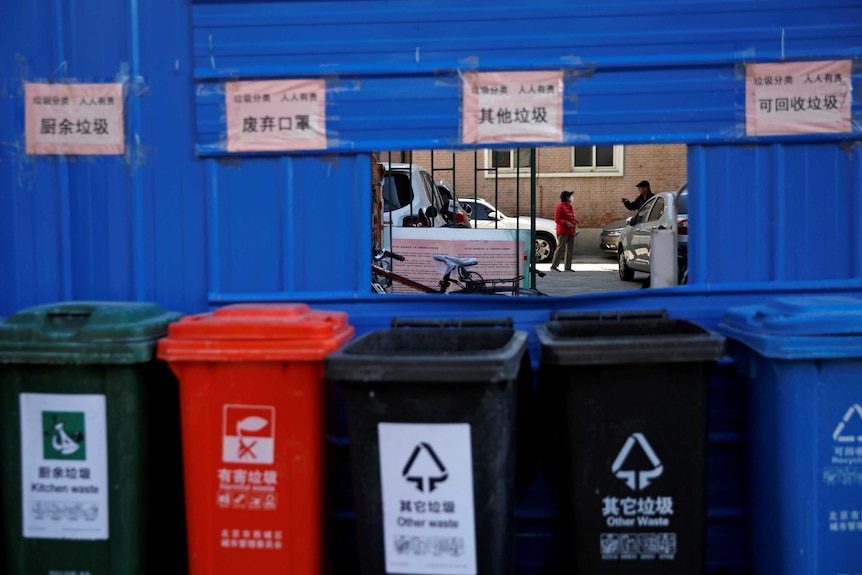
[508, 160]
[597, 160]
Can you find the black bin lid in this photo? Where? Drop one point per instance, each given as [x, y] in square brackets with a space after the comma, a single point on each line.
[614, 338]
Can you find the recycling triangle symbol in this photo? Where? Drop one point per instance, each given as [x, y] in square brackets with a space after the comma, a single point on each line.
[637, 479]
[426, 479]
[843, 435]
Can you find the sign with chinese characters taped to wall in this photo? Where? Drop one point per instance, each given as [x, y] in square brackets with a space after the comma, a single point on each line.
[512, 107]
[74, 119]
[276, 115]
[798, 98]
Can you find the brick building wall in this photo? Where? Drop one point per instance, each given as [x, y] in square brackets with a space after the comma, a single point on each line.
[597, 199]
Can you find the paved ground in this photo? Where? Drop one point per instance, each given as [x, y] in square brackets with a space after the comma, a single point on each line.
[595, 271]
[593, 274]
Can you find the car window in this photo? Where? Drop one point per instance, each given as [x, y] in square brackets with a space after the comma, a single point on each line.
[480, 211]
[642, 214]
[432, 190]
[657, 210]
[396, 191]
[682, 203]
[444, 192]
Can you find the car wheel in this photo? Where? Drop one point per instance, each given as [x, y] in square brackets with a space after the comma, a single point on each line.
[627, 274]
[545, 247]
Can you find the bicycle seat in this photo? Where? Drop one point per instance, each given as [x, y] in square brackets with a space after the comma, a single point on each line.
[453, 262]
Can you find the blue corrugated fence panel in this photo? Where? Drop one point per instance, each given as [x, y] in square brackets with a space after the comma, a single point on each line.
[637, 72]
[246, 39]
[287, 224]
[420, 112]
[781, 212]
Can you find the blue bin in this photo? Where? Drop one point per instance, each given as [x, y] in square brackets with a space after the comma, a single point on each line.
[803, 360]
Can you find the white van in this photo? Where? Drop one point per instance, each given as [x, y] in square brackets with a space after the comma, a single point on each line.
[408, 194]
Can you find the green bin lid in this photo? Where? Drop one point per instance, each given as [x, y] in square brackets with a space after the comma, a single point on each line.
[84, 332]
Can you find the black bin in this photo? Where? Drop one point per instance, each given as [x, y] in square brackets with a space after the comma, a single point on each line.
[432, 409]
[627, 393]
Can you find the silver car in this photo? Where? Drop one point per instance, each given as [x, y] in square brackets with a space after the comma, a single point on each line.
[609, 239]
[666, 210]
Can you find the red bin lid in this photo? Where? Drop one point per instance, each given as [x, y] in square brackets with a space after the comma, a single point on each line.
[256, 332]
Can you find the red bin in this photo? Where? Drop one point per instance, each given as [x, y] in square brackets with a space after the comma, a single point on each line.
[253, 406]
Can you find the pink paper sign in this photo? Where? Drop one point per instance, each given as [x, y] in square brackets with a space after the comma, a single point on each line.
[497, 259]
[74, 119]
[276, 115]
[798, 98]
[512, 107]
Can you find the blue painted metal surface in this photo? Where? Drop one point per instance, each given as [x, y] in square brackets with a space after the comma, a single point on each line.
[780, 213]
[636, 72]
[802, 356]
[177, 222]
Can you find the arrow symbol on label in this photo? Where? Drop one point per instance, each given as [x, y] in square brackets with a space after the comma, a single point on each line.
[637, 479]
[418, 479]
[836, 435]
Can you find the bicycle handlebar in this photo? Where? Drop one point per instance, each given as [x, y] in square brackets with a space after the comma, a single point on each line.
[379, 254]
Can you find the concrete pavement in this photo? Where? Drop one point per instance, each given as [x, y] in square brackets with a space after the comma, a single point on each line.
[595, 271]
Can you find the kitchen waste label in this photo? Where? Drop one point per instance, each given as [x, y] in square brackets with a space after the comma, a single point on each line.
[64, 466]
[426, 476]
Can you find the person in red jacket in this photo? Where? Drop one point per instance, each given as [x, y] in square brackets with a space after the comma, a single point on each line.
[567, 229]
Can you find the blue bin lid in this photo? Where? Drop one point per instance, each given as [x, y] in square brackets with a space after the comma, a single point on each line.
[799, 327]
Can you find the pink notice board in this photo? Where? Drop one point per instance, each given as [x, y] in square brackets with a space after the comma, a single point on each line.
[798, 98]
[498, 256]
[74, 119]
[512, 107]
[276, 115]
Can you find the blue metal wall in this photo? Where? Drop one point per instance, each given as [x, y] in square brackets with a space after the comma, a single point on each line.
[775, 213]
[180, 222]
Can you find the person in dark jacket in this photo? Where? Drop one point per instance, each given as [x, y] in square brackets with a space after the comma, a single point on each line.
[567, 229]
[644, 193]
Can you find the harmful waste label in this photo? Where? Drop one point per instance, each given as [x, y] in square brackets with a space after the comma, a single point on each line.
[249, 434]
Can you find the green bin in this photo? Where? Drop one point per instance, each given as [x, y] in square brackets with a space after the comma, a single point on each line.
[90, 443]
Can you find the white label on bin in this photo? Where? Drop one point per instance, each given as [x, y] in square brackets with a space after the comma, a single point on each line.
[638, 516]
[64, 466]
[248, 434]
[426, 475]
[843, 432]
[845, 463]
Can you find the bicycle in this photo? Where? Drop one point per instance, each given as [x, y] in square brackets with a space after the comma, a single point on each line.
[467, 282]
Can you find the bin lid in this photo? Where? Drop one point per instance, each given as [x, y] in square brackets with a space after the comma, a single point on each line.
[256, 332]
[799, 327]
[608, 339]
[430, 355]
[84, 332]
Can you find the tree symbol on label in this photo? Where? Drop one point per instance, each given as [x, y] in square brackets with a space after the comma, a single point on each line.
[839, 435]
[420, 479]
[637, 479]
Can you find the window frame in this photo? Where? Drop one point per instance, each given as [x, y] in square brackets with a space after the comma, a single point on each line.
[617, 169]
[511, 172]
